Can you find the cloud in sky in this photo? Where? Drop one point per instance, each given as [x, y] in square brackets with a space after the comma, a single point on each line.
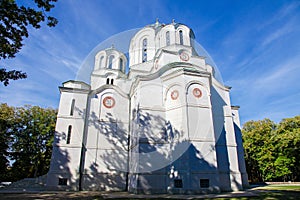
[256, 46]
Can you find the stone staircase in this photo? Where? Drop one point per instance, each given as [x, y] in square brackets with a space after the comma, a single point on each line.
[27, 184]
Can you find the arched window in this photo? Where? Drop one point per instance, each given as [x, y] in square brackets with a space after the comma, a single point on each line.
[72, 107]
[180, 37]
[167, 38]
[107, 81]
[144, 50]
[69, 134]
[112, 81]
[101, 62]
[121, 64]
[110, 62]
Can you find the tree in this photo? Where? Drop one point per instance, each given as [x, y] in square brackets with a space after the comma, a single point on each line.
[6, 127]
[26, 138]
[272, 150]
[32, 146]
[259, 156]
[288, 147]
[14, 21]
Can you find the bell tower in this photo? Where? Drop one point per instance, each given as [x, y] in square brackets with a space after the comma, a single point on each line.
[110, 64]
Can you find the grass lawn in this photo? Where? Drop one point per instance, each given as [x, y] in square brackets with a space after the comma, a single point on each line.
[282, 187]
[273, 192]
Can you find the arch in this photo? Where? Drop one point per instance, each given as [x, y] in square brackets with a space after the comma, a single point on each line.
[195, 82]
[168, 89]
[121, 64]
[101, 62]
[112, 81]
[112, 87]
[72, 107]
[69, 134]
[198, 93]
[144, 50]
[167, 38]
[136, 45]
[110, 61]
[100, 59]
[107, 81]
[167, 35]
[180, 37]
[174, 99]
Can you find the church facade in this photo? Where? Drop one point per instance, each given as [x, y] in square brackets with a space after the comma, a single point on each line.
[166, 126]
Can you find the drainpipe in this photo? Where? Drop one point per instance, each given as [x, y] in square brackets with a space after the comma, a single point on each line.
[83, 144]
[128, 147]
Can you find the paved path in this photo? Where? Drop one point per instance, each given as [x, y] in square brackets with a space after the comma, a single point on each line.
[89, 195]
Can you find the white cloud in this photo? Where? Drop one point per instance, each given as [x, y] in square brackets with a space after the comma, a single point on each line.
[287, 28]
[286, 11]
[273, 93]
[28, 91]
[282, 75]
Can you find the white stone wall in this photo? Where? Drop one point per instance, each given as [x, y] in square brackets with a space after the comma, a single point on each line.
[66, 153]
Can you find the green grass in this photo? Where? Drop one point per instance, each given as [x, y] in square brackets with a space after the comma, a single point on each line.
[282, 187]
[272, 192]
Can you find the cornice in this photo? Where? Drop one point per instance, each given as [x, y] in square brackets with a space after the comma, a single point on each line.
[105, 72]
[219, 85]
[113, 87]
[74, 81]
[235, 107]
[73, 90]
[182, 68]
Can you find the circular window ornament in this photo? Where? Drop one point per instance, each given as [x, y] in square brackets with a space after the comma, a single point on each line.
[109, 102]
[184, 56]
[174, 94]
[197, 92]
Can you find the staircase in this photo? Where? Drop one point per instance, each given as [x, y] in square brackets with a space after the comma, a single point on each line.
[27, 184]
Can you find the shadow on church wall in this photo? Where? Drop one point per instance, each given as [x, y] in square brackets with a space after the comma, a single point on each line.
[158, 156]
[59, 167]
[227, 181]
[105, 168]
[241, 155]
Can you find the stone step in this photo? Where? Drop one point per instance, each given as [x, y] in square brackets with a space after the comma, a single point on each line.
[27, 184]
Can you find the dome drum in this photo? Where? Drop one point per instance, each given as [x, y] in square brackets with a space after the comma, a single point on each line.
[110, 59]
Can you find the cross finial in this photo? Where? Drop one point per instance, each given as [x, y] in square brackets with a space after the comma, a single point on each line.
[173, 21]
[112, 46]
[156, 21]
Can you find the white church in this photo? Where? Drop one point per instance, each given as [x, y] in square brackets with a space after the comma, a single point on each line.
[164, 126]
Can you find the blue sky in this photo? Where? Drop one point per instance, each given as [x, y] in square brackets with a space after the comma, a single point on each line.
[255, 44]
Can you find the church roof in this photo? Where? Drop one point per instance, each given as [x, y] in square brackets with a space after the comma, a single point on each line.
[157, 26]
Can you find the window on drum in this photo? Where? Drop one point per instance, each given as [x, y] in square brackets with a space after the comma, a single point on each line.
[180, 37]
[168, 38]
[144, 52]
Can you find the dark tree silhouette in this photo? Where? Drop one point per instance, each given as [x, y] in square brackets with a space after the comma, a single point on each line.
[14, 22]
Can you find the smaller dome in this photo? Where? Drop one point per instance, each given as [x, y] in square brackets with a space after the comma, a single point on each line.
[110, 59]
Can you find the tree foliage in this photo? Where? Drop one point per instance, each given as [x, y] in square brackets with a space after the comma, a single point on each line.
[28, 136]
[6, 126]
[272, 150]
[10, 75]
[14, 22]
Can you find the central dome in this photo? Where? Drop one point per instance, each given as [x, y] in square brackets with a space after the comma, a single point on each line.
[142, 45]
[147, 41]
